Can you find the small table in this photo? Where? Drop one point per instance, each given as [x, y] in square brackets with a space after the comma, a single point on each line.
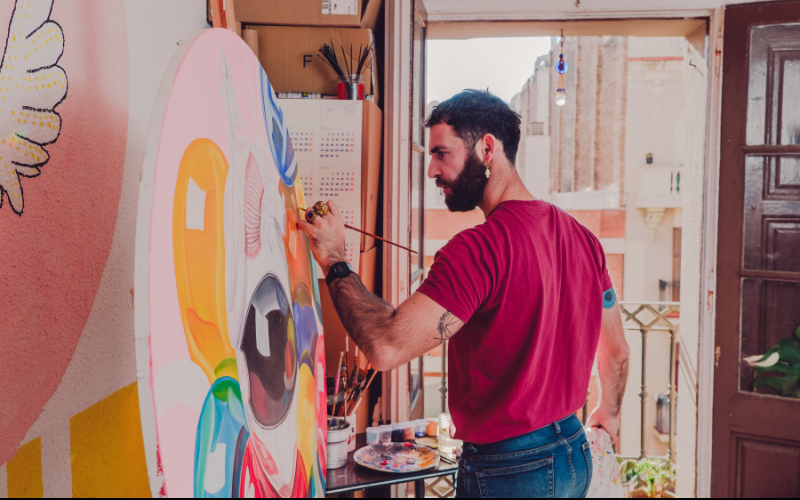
[354, 477]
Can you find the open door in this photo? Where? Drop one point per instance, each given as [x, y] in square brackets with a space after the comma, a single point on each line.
[756, 440]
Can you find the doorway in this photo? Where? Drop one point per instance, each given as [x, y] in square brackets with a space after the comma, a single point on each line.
[600, 171]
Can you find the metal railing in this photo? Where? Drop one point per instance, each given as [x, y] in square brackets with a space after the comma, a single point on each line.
[647, 318]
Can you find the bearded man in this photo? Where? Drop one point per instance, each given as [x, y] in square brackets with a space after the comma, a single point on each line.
[524, 298]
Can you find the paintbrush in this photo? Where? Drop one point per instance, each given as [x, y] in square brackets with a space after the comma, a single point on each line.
[362, 391]
[369, 234]
[359, 383]
[336, 385]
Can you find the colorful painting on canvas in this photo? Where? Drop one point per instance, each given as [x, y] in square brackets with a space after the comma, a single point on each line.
[236, 347]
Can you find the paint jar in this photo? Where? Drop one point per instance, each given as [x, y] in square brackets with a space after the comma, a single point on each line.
[420, 428]
[373, 435]
[432, 430]
[408, 431]
[385, 434]
[350, 88]
[397, 433]
[450, 448]
[338, 435]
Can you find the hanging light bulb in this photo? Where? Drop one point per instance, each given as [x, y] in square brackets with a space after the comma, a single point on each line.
[561, 69]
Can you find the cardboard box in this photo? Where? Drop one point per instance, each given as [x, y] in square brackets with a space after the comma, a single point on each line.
[289, 56]
[330, 13]
[371, 153]
[368, 267]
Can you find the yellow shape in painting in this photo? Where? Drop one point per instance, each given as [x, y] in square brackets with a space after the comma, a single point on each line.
[306, 417]
[199, 251]
[25, 472]
[107, 448]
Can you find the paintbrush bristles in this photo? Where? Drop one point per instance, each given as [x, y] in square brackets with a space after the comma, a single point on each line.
[329, 56]
[362, 58]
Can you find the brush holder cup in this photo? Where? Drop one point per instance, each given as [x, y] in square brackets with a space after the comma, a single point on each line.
[339, 431]
[351, 439]
[350, 88]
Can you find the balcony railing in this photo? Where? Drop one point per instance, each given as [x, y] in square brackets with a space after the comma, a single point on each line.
[648, 318]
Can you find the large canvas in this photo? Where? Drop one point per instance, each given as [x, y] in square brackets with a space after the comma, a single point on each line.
[234, 344]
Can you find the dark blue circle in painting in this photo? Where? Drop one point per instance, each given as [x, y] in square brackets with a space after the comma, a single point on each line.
[269, 345]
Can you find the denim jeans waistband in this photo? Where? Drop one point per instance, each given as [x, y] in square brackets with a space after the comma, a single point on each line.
[565, 428]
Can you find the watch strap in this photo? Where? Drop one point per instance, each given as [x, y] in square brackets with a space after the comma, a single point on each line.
[338, 270]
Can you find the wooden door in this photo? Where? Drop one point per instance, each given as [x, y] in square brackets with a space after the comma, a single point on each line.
[756, 437]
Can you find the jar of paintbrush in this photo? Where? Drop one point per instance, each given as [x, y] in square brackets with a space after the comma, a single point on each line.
[351, 88]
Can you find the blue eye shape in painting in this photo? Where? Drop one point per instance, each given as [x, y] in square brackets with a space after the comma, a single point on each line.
[279, 140]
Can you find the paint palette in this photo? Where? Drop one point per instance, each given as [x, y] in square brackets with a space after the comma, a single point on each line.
[397, 457]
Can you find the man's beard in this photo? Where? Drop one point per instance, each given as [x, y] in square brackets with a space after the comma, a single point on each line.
[466, 192]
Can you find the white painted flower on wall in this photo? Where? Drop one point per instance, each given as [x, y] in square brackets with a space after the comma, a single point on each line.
[31, 86]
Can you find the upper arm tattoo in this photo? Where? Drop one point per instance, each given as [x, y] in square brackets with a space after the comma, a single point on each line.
[609, 298]
[448, 326]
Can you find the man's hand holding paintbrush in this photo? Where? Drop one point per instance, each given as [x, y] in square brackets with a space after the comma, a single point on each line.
[321, 208]
[327, 232]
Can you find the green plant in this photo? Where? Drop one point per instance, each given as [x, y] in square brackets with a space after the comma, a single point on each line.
[652, 477]
[626, 470]
[779, 367]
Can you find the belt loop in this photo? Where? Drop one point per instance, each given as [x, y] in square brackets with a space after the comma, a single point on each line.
[557, 428]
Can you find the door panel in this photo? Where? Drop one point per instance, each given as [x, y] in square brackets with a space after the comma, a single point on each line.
[756, 441]
[766, 468]
[774, 79]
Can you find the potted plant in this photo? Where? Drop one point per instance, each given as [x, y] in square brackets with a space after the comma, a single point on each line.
[627, 474]
[648, 478]
[778, 369]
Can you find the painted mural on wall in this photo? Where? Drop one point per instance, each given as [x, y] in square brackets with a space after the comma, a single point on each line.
[60, 188]
[236, 346]
[31, 86]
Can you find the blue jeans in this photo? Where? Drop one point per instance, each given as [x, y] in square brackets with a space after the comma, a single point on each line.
[552, 462]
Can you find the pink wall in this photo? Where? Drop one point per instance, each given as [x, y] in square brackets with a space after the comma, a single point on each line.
[52, 256]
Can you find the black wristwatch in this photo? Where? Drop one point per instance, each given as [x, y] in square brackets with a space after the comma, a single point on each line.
[338, 270]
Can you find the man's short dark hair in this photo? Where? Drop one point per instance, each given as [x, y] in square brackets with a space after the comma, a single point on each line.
[475, 113]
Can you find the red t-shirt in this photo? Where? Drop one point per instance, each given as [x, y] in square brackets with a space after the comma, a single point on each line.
[528, 283]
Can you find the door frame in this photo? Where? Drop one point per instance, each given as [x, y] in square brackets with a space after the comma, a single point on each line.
[397, 158]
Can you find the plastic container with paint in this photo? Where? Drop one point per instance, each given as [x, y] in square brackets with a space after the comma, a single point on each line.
[420, 428]
[373, 435]
[397, 433]
[433, 428]
[408, 431]
[385, 434]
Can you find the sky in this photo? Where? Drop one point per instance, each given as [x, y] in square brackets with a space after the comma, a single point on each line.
[501, 64]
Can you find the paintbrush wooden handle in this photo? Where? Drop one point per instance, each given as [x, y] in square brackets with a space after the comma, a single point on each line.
[379, 238]
[373, 235]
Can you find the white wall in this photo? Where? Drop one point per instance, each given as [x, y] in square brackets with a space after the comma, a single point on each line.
[537, 165]
[654, 113]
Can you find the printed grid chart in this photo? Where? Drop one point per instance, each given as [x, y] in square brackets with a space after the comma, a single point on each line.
[326, 137]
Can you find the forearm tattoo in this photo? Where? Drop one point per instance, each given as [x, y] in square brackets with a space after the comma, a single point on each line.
[374, 324]
[448, 326]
